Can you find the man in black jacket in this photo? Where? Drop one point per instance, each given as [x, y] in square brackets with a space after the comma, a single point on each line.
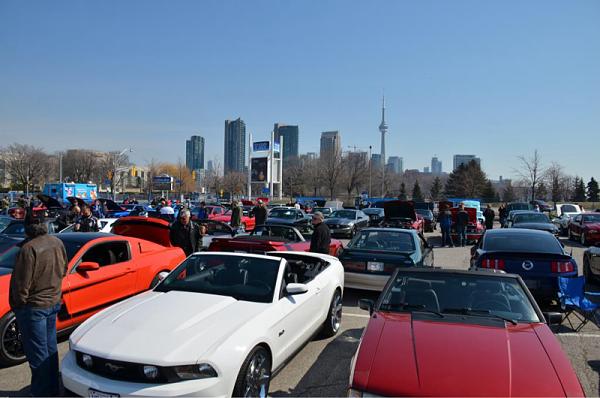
[185, 233]
[462, 220]
[260, 213]
[321, 238]
[489, 216]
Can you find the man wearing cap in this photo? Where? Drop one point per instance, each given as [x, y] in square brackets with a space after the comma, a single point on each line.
[321, 238]
[34, 297]
[260, 213]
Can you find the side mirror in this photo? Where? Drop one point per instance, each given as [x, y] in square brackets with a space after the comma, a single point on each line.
[88, 266]
[553, 318]
[296, 288]
[366, 304]
[162, 276]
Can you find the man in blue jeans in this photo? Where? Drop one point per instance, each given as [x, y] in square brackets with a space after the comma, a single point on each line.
[462, 220]
[35, 295]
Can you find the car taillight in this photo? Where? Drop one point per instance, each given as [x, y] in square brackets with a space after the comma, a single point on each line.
[561, 266]
[492, 263]
[354, 265]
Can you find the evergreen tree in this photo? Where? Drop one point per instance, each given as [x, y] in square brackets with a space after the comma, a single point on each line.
[593, 192]
[541, 191]
[467, 181]
[556, 189]
[489, 193]
[402, 195]
[417, 195]
[509, 193]
[579, 190]
[436, 189]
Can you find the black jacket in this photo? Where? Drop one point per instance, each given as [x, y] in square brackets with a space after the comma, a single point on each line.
[320, 239]
[489, 215]
[187, 237]
[260, 215]
[462, 218]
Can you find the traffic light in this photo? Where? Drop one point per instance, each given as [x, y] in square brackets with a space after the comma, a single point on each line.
[133, 171]
[194, 175]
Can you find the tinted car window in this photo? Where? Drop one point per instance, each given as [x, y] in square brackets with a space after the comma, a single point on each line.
[15, 229]
[344, 214]
[383, 240]
[591, 218]
[283, 213]
[373, 211]
[8, 257]
[523, 243]
[536, 218]
[568, 209]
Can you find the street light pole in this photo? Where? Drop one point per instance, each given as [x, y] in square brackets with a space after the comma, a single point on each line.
[370, 192]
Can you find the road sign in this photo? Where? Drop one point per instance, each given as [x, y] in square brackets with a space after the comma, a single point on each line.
[162, 183]
[265, 190]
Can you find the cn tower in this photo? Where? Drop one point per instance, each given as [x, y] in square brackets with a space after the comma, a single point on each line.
[383, 129]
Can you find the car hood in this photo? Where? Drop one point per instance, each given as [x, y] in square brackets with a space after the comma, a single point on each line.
[164, 329]
[275, 220]
[338, 220]
[153, 229]
[536, 225]
[49, 202]
[111, 205]
[399, 209]
[471, 359]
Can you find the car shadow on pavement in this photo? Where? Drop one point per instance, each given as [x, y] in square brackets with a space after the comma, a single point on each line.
[23, 392]
[595, 365]
[328, 376]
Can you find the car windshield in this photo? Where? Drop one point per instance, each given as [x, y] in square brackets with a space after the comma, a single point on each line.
[276, 232]
[373, 211]
[533, 217]
[591, 218]
[569, 209]
[243, 278]
[522, 243]
[447, 294]
[324, 210]
[424, 212]
[344, 214]
[4, 221]
[383, 240]
[8, 257]
[519, 206]
[283, 213]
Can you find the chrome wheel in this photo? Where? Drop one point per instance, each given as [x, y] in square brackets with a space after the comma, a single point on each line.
[11, 348]
[258, 375]
[336, 312]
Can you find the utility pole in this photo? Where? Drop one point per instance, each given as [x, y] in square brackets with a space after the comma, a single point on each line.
[370, 187]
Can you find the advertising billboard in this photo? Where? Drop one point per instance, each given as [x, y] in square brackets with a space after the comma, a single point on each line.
[259, 170]
[162, 183]
[259, 146]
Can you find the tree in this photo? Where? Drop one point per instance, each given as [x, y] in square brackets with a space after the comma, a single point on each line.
[436, 189]
[331, 170]
[355, 172]
[235, 182]
[111, 166]
[81, 165]
[579, 190]
[293, 176]
[467, 181]
[28, 166]
[531, 172]
[509, 193]
[542, 191]
[489, 193]
[402, 194]
[593, 192]
[556, 178]
[417, 195]
[214, 177]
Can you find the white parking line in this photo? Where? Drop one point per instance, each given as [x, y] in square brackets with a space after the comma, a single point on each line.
[357, 315]
[578, 335]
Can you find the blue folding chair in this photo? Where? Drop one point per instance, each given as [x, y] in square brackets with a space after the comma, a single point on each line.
[572, 299]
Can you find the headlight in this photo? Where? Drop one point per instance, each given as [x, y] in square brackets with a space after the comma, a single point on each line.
[151, 372]
[190, 372]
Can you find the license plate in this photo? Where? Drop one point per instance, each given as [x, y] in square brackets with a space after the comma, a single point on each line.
[374, 266]
[100, 394]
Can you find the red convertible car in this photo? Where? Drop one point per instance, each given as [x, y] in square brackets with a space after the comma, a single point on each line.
[266, 238]
[454, 333]
[247, 222]
[586, 228]
[103, 269]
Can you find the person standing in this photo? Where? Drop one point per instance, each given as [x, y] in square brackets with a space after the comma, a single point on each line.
[167, 212]
[260, 213]
[185, 234]
[34, 297]
[86, 222]
[462, 220]
[321, 237]
[502, 214]
[446, 226]
[202, 214]
[5, 204]
[236, 215]
[489, 216]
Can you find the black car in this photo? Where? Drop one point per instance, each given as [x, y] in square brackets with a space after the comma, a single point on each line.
[591, 263]
[287, 216]
[428, 219]
[533, 220]
[16, 228]
[376, 215]
[537, 256]
[347, 222]
[544, 206]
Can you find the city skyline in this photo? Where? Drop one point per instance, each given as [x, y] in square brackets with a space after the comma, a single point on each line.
[464, 77]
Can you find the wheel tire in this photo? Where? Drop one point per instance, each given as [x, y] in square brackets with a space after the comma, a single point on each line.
[353, 232]
[582, 239]
[11, 353]
[259, 356]
[586, 269]
[334, 316]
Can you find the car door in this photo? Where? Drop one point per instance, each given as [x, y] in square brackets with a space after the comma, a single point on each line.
[89, 291]
[426, 252]
[576, 225]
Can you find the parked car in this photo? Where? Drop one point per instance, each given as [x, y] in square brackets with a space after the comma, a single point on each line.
[475, 228]
[287, 216]
[537, 256]
[586, 228]
[510, 216]
[219, 325]
[212, 211]
[591, 263]
[567, 208]
[325, 210]
[114, 209]
[217, 229]
[543, 206]
[375, 253]
[272, 237]
[102, 269]
[533, 220]
[429, 222]
[104, 225]
[519, 206]
[376, 215]
[452, 333]
[248, 221]
[564, 213]
[402, 214]
[347, 222]
[16, 228]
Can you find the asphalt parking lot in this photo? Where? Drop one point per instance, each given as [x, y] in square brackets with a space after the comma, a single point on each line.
[322, 367]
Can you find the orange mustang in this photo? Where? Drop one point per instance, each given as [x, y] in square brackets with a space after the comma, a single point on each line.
[103, 269]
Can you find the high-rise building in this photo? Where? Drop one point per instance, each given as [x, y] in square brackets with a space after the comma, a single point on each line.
[358, 156]
[209, 165]
[194, 153]
[290, 140]
[376, 160]
[235, 145]
[426, 169]
[464, 159]
[383, 128]
[395, 164]
[331, 143]
[436, 166]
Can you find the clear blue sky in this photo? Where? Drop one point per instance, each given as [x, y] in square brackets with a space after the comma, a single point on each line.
[497, 79]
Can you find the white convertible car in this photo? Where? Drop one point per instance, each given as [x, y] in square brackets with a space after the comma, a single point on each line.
[218, 325]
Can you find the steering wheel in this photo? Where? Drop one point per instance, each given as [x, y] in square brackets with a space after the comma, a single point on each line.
[494, 305]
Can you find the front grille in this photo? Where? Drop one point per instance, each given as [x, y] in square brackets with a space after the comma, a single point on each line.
[125, 371]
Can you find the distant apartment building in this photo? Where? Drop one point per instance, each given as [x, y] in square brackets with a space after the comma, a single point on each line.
[235, 146]
[290, 140]
[436, 166]
[331, 143]
[358, 156]
[395, 164]
[376, 160]
[464, 159]
[194, 153]
[209, 165]
[426, 170]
